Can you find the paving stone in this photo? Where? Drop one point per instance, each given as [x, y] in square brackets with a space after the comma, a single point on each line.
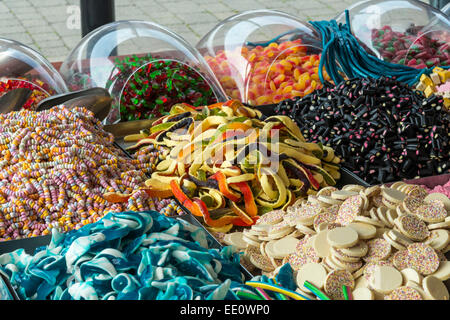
[12, 4]
[199, 17]
[44, 22]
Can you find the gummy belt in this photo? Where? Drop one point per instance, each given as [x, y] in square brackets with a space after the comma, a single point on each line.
[128, 256]
[343, 54]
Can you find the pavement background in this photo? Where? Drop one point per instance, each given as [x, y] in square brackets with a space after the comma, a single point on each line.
[43, 24]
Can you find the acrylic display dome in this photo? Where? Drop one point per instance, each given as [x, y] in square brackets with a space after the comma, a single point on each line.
[407, 32]
[263, 56]
[145, 67]
[446, 10]
[23, 67]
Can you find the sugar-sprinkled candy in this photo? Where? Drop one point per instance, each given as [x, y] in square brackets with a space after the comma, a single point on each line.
[423, 258]
[403, 293]
[433, 211]
[349, 209]
[413, 227]
[379, 249]
[383, 130]
[334, 282]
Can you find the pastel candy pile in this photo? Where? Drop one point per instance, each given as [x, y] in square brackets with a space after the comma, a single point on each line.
[55, 166]
[272, 74]
[444, 189]
[127, 255]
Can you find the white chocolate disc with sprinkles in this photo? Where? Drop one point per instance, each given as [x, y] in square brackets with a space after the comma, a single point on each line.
[271, 217]
[396, 245]
[327, 215]
[372, 191]
[443, 272]
[410, 204]
[423, 258]
[236, 239]
[342, 237]
[402, 259]
[441, 197]
[363, 294]
[343, 194]
[314, 273]
[350, 266]
[384, 279]
[342, 256]
[379, 249]
[392, 195]
[400, 238]
[296, 261]
[432, 212]
[329, 200]
[410, 274]
[321, 245]
[372, 266]
[381, 214]
[369, 221]
[413, 227]
[304, 229]
[349, 210]
[353, 187]
[261, 262]
[327, 191]
[365, 231]
[440, 239]
[284, 246]
[334, 282]
[404, 293]
[397, 185]
[439, 225]
[435, 288]
[359, 250]
[417, 192]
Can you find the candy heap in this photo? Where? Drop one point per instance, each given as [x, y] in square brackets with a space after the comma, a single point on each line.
[226, 165]
[126, 256]
[55, 166]
[417, 50]
[40, 90]
[274, 73]
[149, 87]
[381, 242]
[383, 130]
[438, 83]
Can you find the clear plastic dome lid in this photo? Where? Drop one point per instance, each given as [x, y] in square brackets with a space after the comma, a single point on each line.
[23, 67]
[406, 32]
[263, 56]
[145, 67]
[446, 10]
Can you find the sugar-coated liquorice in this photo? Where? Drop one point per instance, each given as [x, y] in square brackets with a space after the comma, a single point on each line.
[377, 123]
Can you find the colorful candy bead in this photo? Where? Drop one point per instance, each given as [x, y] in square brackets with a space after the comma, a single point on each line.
[55, 165]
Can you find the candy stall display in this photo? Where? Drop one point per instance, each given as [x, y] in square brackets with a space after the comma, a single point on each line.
[406, 32]
[277, 160]
[26, 74]
[145, 67]
[262, 57]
